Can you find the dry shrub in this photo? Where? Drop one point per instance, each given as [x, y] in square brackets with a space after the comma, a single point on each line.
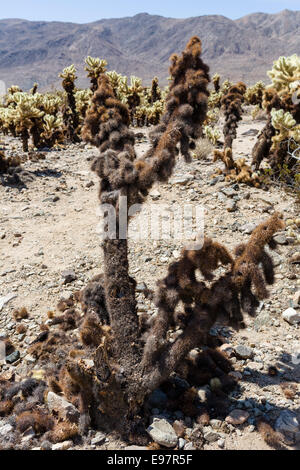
[203, 148]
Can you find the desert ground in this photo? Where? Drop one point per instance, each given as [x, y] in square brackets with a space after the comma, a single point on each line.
[50, 225]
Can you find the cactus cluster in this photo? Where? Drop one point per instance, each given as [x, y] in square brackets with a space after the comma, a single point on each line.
[279, 140]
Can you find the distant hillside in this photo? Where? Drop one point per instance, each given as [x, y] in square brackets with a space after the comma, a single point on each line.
[243, 49]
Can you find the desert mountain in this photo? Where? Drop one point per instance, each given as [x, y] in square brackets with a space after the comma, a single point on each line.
[242, 49]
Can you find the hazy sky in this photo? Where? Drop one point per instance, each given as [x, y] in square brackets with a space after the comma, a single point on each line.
[82, 11]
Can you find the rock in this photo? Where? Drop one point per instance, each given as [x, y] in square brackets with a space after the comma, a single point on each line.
[62, 408]
[46, 445]
[291, 316]
[203, 393]
[236, 375]
[227, 349]
[231, 206]
[62, 445]
[248, 228]
[221, 443]
[181, 443]
[142, 287]
[237, 417]
[12, 358]
[181, 180]
[68, 276]
[211, 436]
[295, 259]
[99, 439]
[6, 430]
[155, 195]
[287, 422]
[189, 446]
[280, 238]
[162, 432]
[7, 298]
[229, 192]
[296, 299]
[244, 352]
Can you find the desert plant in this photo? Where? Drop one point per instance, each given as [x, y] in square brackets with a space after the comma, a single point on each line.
[216, 81]
[232, 106]
[129, 362]
[95, 67]
[279, 137]
[254, 94]
[70, 114]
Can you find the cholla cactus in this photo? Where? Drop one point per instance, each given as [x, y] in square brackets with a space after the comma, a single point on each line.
[70, 115]
[212, 134]
[286, 125]
[95, 67]
[83, 101]
[52, 130]
[216, 81]
[285, 72]
[254, 94]
[25, 112]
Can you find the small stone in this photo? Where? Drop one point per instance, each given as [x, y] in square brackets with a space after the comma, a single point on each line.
[244, 352]
[62, 445]
[211, 436]
[291, 316]
[229, 192]
[142, 287]
[155, 195]
[221, 443]
[236, 375]
[287, 422]
[295, 259]
[231, 206]
[12, 358]
[99, 439]
[296, 299]
[7, 298]
[248, 228]
[189, 446]
[215, 384]
[68, 276]
[181, 443]
[203, 393]
[280, 238]
[237, 417]
[162, 432]
[227, 349]
[6, 430]
[62, 407]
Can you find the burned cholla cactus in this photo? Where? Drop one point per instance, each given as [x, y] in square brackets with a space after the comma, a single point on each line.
[232, 105]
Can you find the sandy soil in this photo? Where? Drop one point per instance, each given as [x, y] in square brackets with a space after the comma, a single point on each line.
[50, 225]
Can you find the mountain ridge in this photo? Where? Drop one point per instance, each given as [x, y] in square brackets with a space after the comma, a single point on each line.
[241, 49]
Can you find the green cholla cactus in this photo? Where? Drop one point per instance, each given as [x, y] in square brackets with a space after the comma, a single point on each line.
[69, 73]
[287, 127]
[83, 100]
[52, 130]
[254, 94]
[95, 67]
[25, 113]
[212, 134]
[285, 72]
